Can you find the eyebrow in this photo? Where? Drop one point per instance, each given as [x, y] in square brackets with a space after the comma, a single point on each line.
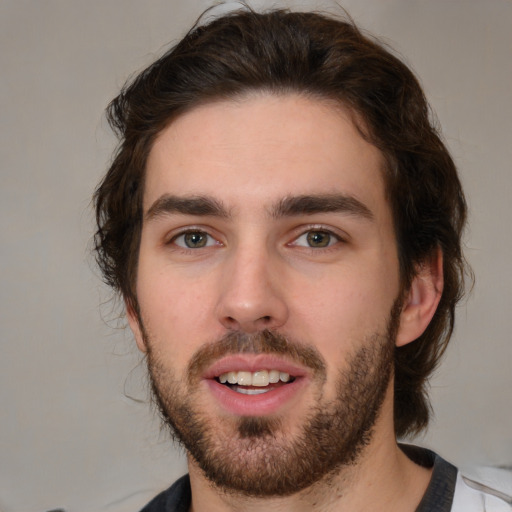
[195, 205]
[287, 207]
[326, 203]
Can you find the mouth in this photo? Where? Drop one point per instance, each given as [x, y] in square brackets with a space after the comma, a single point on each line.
[254, 383]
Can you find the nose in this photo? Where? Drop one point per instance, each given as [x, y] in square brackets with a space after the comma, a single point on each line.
[251, 296]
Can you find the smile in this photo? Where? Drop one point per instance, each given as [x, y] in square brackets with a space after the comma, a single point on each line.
[254, 383]
[260, 378]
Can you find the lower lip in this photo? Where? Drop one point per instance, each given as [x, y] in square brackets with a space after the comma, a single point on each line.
[271, 402]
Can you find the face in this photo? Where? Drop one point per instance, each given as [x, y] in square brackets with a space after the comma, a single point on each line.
[267, 285]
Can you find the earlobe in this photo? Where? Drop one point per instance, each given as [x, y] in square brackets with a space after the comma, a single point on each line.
[422, 299]
[134, 323]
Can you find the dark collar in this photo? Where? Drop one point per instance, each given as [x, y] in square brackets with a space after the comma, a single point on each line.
[437, 498]
[439, 494]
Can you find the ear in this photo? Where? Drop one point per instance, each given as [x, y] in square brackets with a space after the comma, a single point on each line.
[422, 299]
[135, 326]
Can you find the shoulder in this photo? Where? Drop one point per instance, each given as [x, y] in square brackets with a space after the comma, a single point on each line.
[175, 499]
[450, 491]
[473, 496]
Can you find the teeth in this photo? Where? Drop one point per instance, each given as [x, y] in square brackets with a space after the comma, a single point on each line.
[245, 378]
[246, 391]
[273, 376]
[284, 377]
[260, 378]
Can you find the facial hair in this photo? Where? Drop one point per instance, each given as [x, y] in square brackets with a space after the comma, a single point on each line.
[257, 456]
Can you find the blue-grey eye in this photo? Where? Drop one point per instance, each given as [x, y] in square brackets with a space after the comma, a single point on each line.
[194, 240]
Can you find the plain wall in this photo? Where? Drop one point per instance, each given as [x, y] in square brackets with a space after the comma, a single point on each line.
[69, 435]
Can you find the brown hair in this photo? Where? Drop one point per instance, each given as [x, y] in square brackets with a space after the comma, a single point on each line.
[281, 51]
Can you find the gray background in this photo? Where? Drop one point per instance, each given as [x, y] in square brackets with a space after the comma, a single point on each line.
[69, 436]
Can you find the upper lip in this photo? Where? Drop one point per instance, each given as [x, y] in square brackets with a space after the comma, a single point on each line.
[253, 363]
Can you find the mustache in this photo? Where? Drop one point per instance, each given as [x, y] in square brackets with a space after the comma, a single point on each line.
[262, 342]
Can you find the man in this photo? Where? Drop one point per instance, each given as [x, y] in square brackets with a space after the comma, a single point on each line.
[284, 225]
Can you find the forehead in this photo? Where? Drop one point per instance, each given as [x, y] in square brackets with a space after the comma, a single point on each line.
[261, 148]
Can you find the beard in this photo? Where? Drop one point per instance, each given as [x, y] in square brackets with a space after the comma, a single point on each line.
[259, 456]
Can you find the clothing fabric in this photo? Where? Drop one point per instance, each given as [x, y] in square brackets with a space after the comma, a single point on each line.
[472, 496]
[448, 490]
[177, 498]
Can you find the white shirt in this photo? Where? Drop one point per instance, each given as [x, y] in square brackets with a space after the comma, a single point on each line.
[471, 496]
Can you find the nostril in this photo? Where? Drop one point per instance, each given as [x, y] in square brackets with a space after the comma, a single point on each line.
[231, 321]
[248, 324]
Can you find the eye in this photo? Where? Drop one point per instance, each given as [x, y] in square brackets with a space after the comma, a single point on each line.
[317, 239]
[194, 240]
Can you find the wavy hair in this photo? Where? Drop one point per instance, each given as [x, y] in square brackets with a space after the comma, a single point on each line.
[324, 57]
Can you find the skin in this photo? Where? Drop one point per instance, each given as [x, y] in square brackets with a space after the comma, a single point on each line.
[257, 271]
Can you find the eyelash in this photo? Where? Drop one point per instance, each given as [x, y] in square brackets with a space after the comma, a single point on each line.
[334, 239]
[192, 231]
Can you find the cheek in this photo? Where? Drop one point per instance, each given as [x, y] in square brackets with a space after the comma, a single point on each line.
[175, 311]
[345, 305]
